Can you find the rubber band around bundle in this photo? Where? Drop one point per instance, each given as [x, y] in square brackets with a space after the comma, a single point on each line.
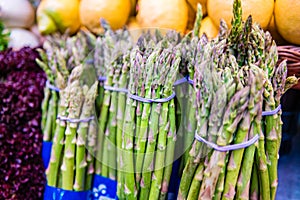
[146, 100]
[114, 89]
[102, 78]
[271, 112]
[89, 61]
[184, 80]
[228, 147]
[181, 81]
[62, 118]
[51, 87]
[190, 81]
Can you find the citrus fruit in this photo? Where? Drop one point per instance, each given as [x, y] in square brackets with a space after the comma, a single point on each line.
[209, 28]
[58, 15]
[193, 4]
[191, 17]
[133, 7]
[115, 12]
[274, 32]
[169, 14]
[132, 23]
[287, 20]
[261, 11]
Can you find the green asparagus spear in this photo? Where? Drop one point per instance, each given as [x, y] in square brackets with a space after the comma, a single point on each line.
[254, 187]
[123, 82]
[171, 140]
[142, 138]
[76, 100]
[82, 135]
[234, 113]
[161, 155]
[58, 140]
[255, 80]
[91, 150]
[128, 182]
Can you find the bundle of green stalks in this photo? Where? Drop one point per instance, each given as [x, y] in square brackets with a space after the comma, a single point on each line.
[105, 47]
[235, 79]
[145, 67]
[59, 55]
[115, 49]
[148, 134]
[185, 93]
[71, 164]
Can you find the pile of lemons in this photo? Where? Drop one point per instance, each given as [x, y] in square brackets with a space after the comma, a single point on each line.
[71, 15]
[280, 17]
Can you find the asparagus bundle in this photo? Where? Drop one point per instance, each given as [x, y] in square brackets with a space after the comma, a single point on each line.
[149, 127]
[74, 145]
[116, 51]
[60, 54]
[235, 78]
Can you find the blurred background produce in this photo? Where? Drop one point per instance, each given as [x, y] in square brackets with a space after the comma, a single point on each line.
[208, 28]
[274, 32]
[21, 95]
[287, 20]
[17, 13]
[261, 11]
[115, 12]
[43, 17]
[170, 14]
[18, 21]
[58, 15]
[21, 37]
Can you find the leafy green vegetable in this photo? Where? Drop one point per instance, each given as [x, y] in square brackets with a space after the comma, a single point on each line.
[4, 37]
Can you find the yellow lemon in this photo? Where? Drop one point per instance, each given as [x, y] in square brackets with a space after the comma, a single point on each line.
[191, 17]
[115, 12]
[169, 14]
[132, 23]
[261, 11]
[133, 7]
[58, 15]
[287, 20]
[274, 32]
[194, 3]
[209, 28]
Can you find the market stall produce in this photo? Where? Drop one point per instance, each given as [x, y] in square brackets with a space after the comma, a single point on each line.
[115, 12]
[19, 21]
[21, 94]
[287, 20]
[58, 16]
[113, 70]
[145, 99]
[59, 56]
[225, 174]
[236, 81]
[71, 166]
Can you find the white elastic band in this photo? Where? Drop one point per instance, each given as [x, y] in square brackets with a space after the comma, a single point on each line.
[145, 100]
[102, 78]
[180, 81]
[271, 112]
[114, 89]
[51, 87]
[228, 147]
[89, 61]
[62, 118]
[190, 81]
[184, 80]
